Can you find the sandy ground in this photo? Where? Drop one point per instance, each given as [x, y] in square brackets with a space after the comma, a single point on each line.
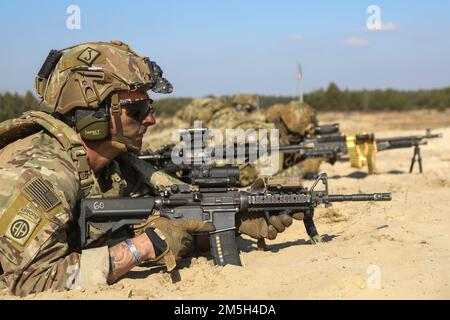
[386, 250]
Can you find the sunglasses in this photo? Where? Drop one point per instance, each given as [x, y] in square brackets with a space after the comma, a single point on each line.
[138, 110]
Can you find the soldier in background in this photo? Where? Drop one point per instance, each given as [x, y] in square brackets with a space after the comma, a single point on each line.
[218, 113]
[206, 109]
[200, 109]
[245, 102]
[294, 121]
[83, 143]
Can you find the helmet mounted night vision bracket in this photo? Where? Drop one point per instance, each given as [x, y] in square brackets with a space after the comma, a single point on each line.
[44, 73]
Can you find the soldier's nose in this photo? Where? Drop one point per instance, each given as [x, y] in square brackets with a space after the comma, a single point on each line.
[149, 120]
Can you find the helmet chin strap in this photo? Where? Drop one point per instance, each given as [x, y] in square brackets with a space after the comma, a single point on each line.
[119, 136]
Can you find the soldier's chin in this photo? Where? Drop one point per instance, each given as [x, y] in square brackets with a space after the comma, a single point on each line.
[135, 147]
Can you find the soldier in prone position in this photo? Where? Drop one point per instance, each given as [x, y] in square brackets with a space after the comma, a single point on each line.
[294, 121]
[83, 143]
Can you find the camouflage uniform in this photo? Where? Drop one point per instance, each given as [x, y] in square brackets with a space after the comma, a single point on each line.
[218, 114]
[245, 102]
[227, 117]
[294, 120]
[38, 216]
[208, 110]
[44, 169]
[200, 109]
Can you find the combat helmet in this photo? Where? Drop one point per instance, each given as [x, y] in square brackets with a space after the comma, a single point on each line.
[86, 75]
[245, 102]
[201, 109]
[299, 118]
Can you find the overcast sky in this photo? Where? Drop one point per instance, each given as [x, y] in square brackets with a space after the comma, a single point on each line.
[254, 46]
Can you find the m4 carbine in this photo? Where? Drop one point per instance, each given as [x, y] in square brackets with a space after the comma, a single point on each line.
[216, 202]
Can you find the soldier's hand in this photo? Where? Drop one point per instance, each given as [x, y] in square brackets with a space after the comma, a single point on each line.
[177, 236]
[257, 226]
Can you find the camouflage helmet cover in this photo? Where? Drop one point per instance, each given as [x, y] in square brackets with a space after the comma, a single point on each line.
[201, 109]
[246, 101]
[298, 117]
[87, 73]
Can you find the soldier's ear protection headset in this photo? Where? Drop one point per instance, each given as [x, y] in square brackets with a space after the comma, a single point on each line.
[93, 125]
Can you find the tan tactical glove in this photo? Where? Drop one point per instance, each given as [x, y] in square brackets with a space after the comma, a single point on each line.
[177, 237]
[257, 226]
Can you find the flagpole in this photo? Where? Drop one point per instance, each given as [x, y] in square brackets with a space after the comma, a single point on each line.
[301, 90]
[300, 78]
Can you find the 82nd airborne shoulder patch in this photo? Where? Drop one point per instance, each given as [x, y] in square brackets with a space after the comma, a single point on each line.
[20, 229]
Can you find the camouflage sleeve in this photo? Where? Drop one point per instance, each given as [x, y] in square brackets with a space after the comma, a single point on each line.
[38, 191]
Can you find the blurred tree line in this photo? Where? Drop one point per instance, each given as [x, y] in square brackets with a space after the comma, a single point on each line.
[330, 99]
[12, 105]
[335, 99]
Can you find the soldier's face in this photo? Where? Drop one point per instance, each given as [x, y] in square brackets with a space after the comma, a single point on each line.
[136, 117]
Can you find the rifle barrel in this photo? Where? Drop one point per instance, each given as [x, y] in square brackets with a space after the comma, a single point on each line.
[361, 197]
[398, 143]
[412, 139]
[152, 157]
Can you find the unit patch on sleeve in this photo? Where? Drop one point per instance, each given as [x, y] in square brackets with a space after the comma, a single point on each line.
[20, 229]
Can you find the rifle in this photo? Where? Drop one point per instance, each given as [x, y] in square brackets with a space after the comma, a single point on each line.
[197, 155]
[162, 158]
[408, 142]
[215, 201]
[327, 142]
[361, 148]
